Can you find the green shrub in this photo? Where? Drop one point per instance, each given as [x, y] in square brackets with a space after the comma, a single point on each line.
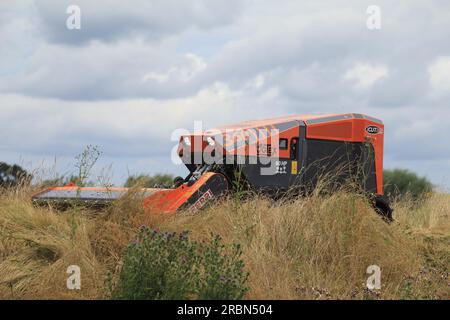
[170, 266]
[400, 182]
[147, 181]
[65, 180]
[223, 276]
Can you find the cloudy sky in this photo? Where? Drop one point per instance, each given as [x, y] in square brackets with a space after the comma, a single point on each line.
[137, 70]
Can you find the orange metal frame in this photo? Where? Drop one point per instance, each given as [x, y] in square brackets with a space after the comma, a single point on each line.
[170, 200]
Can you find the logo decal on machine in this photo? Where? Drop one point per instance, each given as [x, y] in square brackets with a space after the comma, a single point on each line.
[373, 129]
[201, 201]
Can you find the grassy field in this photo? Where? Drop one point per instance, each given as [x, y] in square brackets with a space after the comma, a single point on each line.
[311, 248]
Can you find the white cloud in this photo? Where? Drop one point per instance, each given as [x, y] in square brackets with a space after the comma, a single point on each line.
[365, 75]
[46, 125]
[183, 72]
[125, 69]
[439, 75]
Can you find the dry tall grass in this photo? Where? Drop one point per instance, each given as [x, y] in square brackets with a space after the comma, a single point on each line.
[36, 247]
[317, 247]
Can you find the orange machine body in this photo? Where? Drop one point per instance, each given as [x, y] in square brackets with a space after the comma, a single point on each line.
[258, 138]
[188, 196]
[298, 147]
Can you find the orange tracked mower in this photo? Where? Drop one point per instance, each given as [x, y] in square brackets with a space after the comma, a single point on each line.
[274, 156]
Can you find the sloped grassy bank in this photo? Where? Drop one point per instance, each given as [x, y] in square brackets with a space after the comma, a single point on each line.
[317, 247]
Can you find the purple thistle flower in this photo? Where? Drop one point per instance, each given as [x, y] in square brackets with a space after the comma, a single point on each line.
[183, 235]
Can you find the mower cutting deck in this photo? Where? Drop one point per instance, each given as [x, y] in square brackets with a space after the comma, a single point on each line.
[190, 196]
[96, 197]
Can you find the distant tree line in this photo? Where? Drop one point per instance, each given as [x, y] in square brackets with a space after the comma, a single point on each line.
[65, 180]
[397, 183]
[13, 175]
[147, 181]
